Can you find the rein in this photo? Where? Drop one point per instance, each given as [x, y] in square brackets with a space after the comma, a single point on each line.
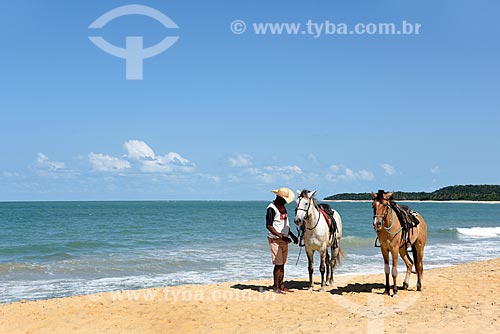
[388, 229]
[319, 217]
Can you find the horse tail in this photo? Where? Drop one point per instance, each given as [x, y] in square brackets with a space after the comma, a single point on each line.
[415, 256]
[337, 254]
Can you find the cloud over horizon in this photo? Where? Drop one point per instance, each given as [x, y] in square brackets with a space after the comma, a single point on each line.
[45, 163]
[388, 169]
[106, 163]
[240, 160]
[341, 173]
[141, 154]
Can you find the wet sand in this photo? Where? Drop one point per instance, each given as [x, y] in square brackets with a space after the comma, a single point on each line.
[458, 299]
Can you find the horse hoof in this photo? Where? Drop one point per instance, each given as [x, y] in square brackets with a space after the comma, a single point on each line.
[387, 292]
[322, 290]
[405, 286]
[395, 295]
[310, 289]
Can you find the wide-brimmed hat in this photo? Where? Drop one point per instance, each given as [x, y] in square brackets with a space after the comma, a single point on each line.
[286, 193]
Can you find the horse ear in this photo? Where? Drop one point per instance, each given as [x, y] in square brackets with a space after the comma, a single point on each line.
[374, 195]
[298, 192]
[311, 194]
[388, 195]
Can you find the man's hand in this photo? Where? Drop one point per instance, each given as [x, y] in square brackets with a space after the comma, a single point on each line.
[295, 239]
[287, 239]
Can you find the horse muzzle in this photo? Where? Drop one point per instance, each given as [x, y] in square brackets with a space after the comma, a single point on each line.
[377, 224]
[298, 222]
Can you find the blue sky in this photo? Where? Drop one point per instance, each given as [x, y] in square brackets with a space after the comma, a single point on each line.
[227, 116]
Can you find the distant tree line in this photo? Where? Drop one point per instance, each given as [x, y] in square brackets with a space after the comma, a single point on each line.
[451, 193]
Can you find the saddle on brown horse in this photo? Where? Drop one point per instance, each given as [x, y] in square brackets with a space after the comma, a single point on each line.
[407, 217]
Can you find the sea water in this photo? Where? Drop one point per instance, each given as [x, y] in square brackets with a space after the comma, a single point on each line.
[57, 249]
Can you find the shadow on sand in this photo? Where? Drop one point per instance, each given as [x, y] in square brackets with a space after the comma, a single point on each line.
[357, 288]
[253, 287]
[292, 285]
[304, 285]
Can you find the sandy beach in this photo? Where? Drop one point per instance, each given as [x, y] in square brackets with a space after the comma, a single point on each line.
[457, 299]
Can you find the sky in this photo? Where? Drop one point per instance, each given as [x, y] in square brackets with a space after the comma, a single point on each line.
[223, 115]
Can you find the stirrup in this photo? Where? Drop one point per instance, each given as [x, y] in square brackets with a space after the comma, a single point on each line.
[376, 239]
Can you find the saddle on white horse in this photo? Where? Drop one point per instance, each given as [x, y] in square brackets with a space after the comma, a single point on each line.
[328, 214]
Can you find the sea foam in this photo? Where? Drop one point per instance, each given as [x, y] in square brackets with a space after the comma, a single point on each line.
[480, 232]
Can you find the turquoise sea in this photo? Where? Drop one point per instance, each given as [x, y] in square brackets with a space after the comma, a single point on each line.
[56, 249]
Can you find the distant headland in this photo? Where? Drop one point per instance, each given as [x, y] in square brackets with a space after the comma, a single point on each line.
[451, 193]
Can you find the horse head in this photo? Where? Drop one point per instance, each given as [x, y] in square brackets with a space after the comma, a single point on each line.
[380, 204]
[305, 204]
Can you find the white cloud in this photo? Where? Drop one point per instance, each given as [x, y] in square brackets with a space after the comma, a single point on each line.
[340, 173]
[154, 166]
[105, 163]
[272, 174]
[44, 162]
[167, 164]
[214, 178]
[266, 174]
[174, 158]
[152, 163]
[334, 168]
[388, 169]
[435, 170]
[240, 160]
[365, 175]
[137, 149]
[312, 157]
[284, 169]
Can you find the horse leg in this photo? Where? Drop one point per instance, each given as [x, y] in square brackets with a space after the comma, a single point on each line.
[385, 254]
[333, 261]
[394, 254]
[310, 261]
[418, 253]
[329, 271]
[322, 269]
[409, 265]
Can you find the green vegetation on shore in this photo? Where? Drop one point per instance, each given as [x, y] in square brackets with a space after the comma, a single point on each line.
[451, 193]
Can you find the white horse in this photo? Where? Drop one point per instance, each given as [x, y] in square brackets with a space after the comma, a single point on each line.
[317, 236]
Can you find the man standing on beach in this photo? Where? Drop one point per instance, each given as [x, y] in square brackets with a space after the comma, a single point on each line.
[278, 237]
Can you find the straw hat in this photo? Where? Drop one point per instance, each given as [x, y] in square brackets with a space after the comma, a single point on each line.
[285, 193]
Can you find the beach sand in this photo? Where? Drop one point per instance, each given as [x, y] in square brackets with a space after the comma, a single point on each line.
[458, 299]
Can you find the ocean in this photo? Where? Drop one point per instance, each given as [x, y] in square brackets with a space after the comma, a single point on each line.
[59, 249]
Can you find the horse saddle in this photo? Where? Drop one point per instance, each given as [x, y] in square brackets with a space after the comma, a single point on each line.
[328, 213]
[407, 216]
[408, 219]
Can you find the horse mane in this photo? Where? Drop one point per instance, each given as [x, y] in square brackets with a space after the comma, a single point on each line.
[305, 192]
[380, 196]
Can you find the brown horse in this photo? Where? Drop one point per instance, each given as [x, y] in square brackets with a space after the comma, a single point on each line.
[393, 241]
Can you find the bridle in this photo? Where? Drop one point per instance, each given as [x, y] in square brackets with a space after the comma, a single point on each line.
[298, 208]
[384, 216]
[387, 206]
